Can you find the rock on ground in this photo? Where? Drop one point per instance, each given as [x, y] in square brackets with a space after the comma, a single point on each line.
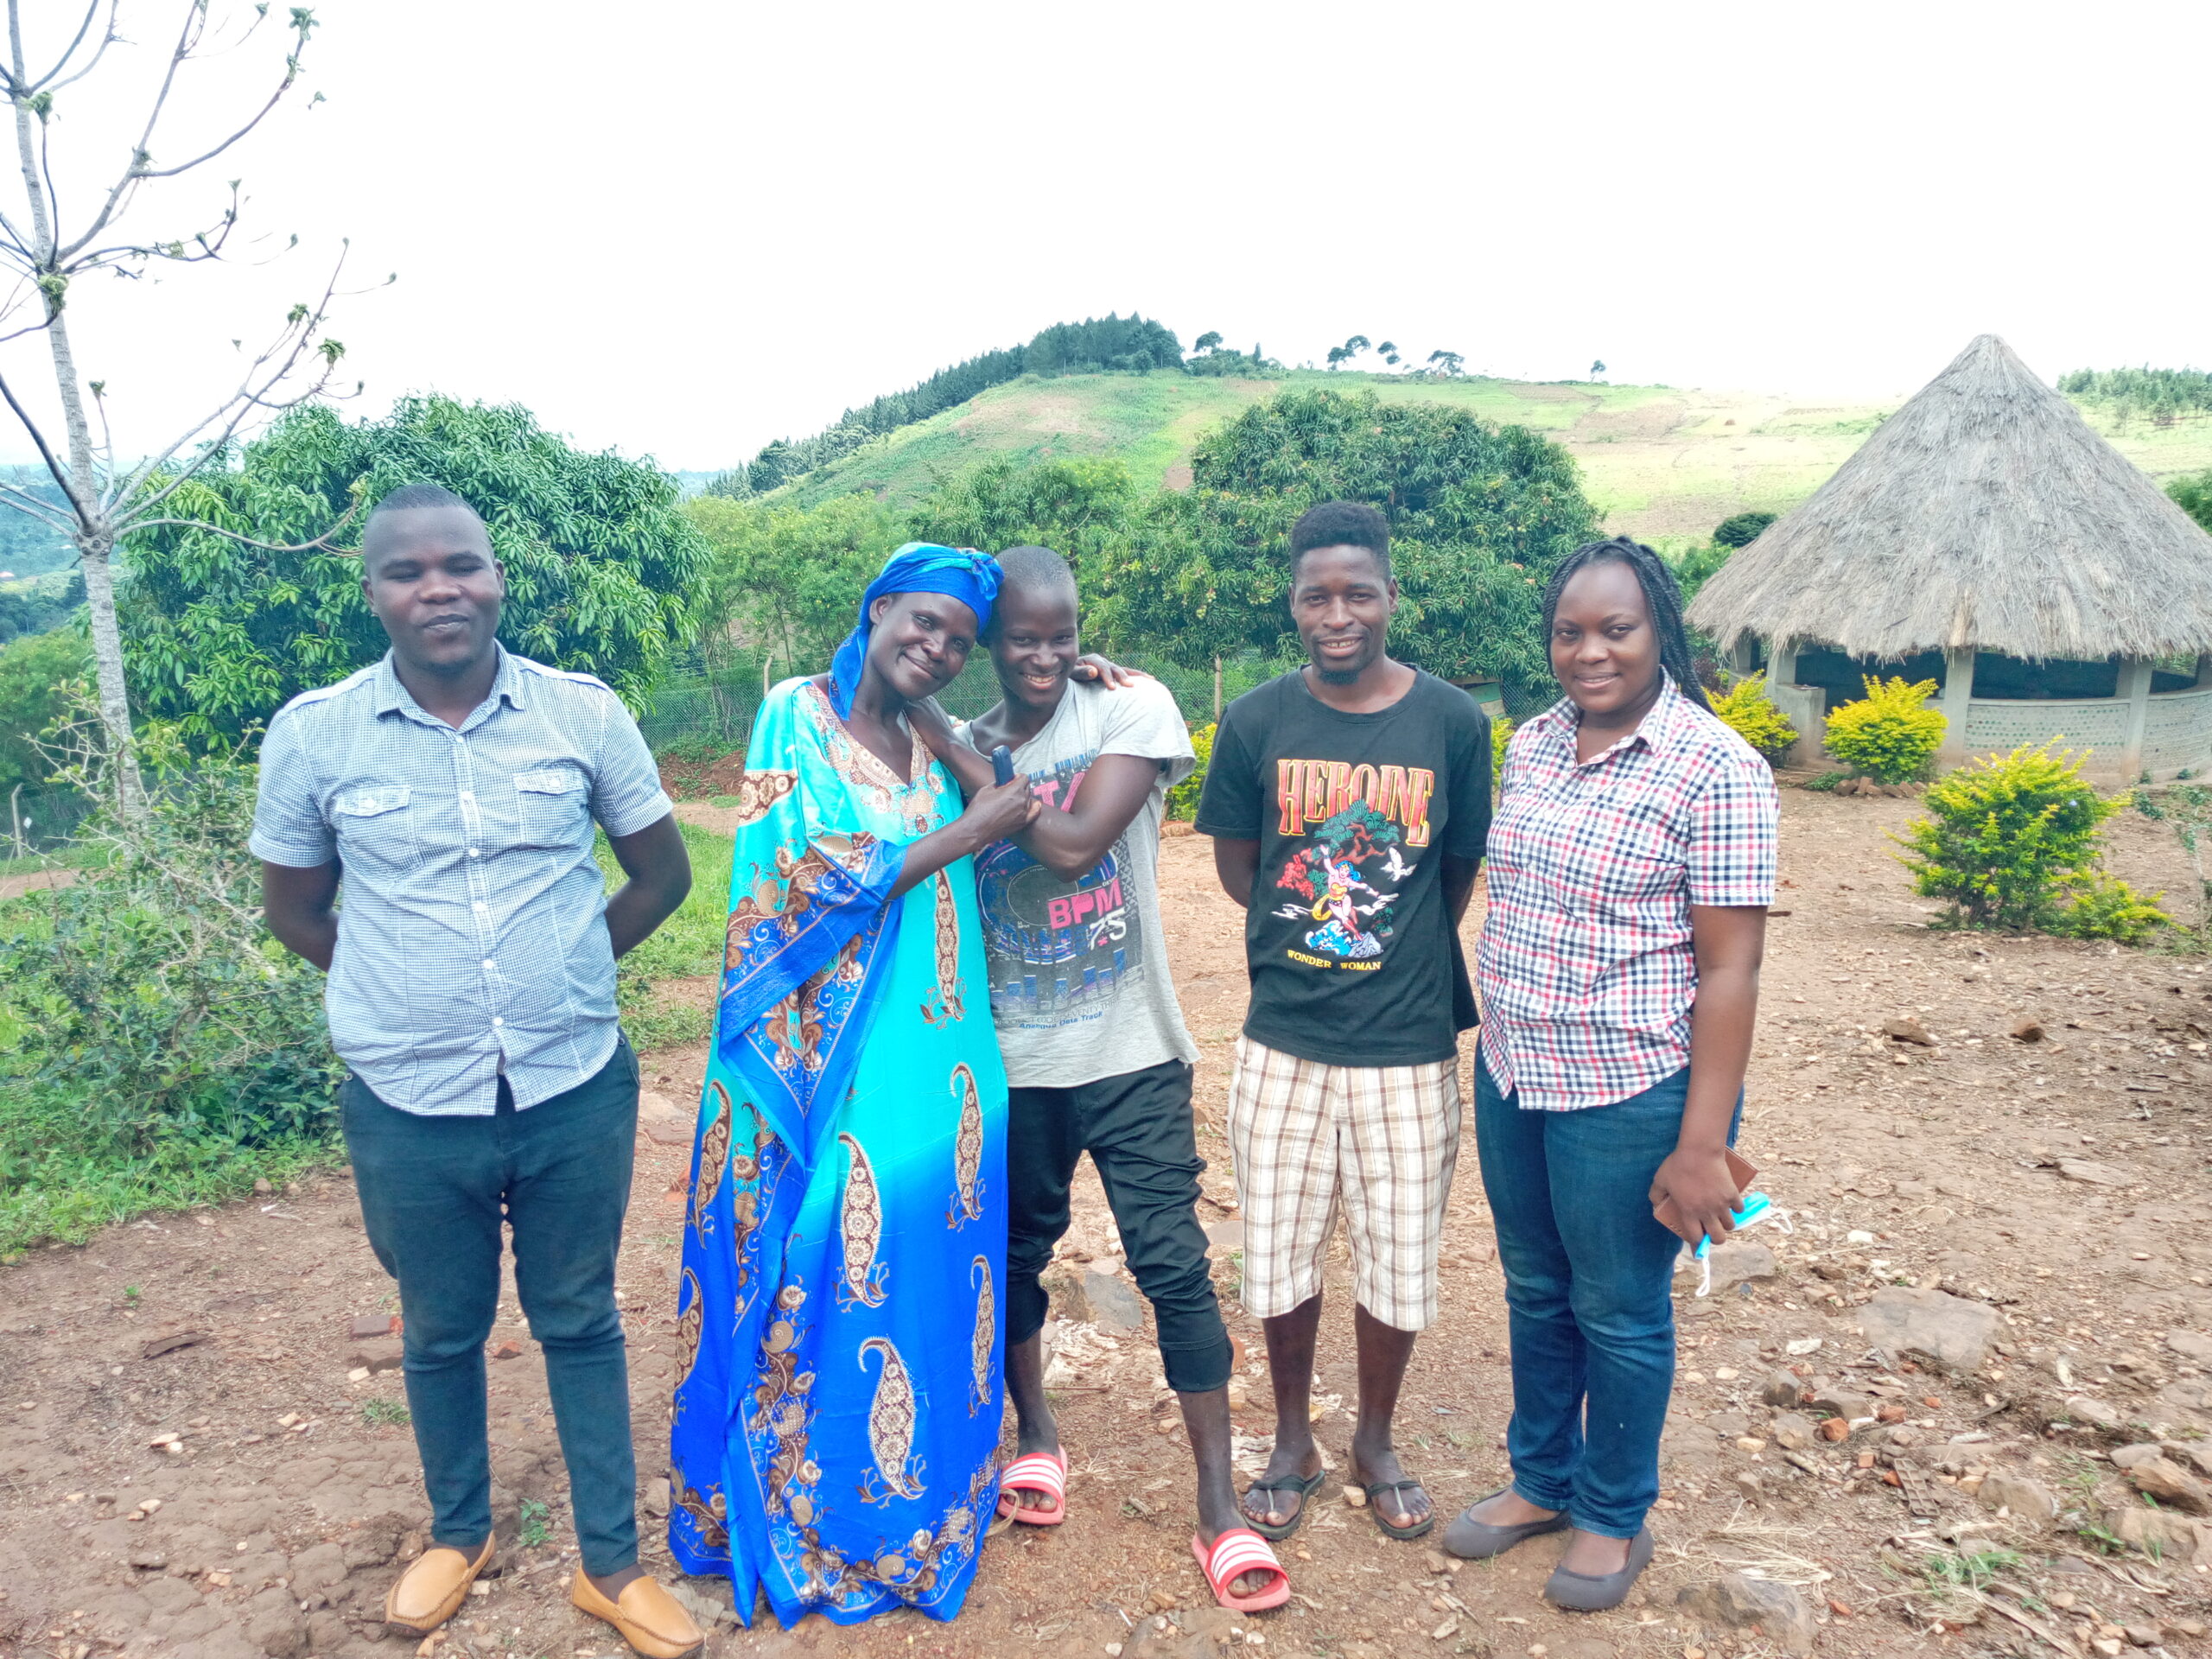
[1733, 1602]
[1951, 1331]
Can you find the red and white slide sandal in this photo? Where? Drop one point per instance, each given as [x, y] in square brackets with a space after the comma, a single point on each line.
[1236, 1552]
[1039, 1471]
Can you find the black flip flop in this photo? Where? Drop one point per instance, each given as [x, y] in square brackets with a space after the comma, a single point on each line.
[1415, 1529]
[1304, 1486]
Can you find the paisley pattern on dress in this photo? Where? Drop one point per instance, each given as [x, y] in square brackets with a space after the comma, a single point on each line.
[984, 1339]
[946, 1003]
[861, 1219]
[821, 1475]
[966, 1152]
[891, 1420]
[759, 791]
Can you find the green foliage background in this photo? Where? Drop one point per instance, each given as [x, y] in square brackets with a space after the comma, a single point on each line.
[600, 561]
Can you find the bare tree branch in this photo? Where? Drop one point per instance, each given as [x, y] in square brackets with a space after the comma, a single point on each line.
[46, 454]
[322, 542]
[47, 83]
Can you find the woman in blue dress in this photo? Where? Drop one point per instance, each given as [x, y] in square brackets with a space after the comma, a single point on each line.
[837, 1399]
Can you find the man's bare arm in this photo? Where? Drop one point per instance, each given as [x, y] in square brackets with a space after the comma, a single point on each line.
[1236, 863]
[300, 906]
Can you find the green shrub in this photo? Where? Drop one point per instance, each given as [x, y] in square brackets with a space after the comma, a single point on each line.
[2105, 907]
[1887, 736]
[1743, 529]
[1501, 733]
[1183, 799]
[151, 994]
[1750, 713]
[2006, 837]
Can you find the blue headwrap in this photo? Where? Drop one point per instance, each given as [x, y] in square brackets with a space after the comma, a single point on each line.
[958, 573]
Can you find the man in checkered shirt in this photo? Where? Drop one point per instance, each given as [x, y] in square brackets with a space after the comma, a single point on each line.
[1348, 801]
[452, 788]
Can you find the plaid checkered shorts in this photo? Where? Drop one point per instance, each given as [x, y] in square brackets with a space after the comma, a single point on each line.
[1381, 1141]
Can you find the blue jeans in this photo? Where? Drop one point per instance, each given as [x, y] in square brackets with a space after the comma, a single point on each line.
[434, 1191]
[1588, 1290]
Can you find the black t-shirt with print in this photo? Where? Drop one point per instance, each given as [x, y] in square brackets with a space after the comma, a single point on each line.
[1353, 957]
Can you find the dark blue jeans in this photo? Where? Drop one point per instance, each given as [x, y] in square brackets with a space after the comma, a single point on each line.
[434, 1191]
[1588, 1293]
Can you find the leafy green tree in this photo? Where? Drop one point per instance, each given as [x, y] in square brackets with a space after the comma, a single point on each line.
[2193, 494]
[1446, 363]
[1597, 368]
[1209, 340]
[1078, 507]
[785, 580]
[598, 559]
[1479, 514]
[36, 673]
[1742, 529]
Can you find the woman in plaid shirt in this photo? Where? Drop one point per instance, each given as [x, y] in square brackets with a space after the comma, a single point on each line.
[1631, 860]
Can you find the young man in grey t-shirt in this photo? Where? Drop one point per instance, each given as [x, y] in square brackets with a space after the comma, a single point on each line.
[1098, 1059]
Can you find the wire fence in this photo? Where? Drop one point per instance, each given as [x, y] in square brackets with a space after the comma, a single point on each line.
[699, 713]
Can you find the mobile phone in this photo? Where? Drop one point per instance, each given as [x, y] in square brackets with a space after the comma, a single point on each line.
[1001, 765]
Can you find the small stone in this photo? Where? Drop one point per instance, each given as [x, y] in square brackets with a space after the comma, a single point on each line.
[1114, 1305]
[1729, 1425]
[1950, 1330]
[657, 1498]
[367, 1326]
[2143, 1636]
[2081, 1408]
[262, 1189]
[1748, 1483]
[2191, 1344]
[1356, 1497]
[1792, 1432]
[2162, 1534]
[1750, 1443]
[2027, 1030]
[2090, 1174]
[1841, 1402]
[379, 1354]
[2029, 1500]
[1733, 1602]
[508, 1349]
[1907, 1029]
[1781, 1388]
[1738, 1262]
[1834, 1429]
[148, 1560]
[2159, 1476]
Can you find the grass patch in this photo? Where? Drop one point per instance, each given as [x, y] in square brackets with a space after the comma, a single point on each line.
[386, 1414]
[57, 1185]
[687, 946]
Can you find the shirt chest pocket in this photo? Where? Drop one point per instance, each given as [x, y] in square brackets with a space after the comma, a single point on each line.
[376, 828]
[552, 808]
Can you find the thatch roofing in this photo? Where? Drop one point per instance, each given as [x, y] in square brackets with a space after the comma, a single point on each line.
[1985, 513]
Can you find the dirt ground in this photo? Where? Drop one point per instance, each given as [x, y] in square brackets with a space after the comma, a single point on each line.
[197, 1459]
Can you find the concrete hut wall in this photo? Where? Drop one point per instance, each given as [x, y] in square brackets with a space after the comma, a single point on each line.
[2135, 731]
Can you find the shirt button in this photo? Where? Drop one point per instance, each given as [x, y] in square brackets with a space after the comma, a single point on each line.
[496, 1021]
[481, 906]
[489, 964]
[472, 852]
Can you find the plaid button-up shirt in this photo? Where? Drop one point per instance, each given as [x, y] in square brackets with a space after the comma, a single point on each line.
[1587, 969]
[471, 938]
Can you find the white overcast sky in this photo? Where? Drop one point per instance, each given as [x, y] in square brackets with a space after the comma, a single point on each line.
[682, 228]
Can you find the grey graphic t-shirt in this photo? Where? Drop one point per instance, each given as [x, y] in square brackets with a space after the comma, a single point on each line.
[1080, 988]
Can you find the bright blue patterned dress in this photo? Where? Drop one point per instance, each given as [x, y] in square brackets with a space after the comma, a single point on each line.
[837, 1399]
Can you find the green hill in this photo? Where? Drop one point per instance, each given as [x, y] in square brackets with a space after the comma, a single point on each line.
[1659, 462]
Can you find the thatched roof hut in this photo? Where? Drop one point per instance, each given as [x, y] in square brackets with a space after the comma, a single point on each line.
[1986, 521]
[1986, 514]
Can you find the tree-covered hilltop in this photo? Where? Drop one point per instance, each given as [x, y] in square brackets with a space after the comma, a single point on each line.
[2162, 394]
[1111, 344]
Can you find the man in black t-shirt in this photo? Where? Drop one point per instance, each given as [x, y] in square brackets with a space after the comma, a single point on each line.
[1348, 801]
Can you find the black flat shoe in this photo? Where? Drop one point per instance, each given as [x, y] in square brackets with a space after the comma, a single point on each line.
[1596, 1593]
[1477, 1540]
[1304, 1486]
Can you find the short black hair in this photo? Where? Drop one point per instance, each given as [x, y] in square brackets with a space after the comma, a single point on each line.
[408, 497]
[1030, 570]
[1341, 523]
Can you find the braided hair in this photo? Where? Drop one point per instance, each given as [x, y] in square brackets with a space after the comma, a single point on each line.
[1662, 598]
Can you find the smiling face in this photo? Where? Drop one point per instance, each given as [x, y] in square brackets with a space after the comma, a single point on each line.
[1034, 645]
[920, 643]
[1605, 651]
[1341, 600]
[430, 576]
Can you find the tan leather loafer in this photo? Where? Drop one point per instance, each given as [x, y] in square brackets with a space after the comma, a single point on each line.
[431, 1591]
[646, 1616]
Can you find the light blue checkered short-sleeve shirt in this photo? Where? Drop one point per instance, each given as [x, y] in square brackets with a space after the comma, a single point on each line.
[470, 931]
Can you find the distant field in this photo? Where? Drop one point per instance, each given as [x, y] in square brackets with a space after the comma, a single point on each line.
[1660, 462]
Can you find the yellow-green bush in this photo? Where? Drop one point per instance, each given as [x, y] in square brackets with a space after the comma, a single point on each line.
[2106, 907]
[1887, 736]
[1750, 713]
[1183, 799]
[1500, 733]
[2007, 837]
